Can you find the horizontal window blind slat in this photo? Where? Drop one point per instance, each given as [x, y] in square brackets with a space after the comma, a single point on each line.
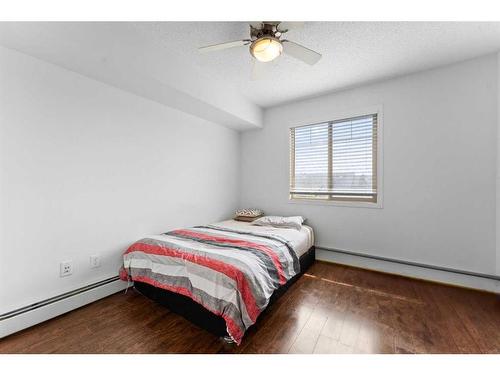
[305, 192]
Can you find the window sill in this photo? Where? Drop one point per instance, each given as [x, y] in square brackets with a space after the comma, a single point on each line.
[317, 202]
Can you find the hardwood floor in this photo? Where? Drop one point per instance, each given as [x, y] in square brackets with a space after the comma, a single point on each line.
[331, 309]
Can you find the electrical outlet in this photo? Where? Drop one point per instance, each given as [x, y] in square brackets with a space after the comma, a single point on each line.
[66, 268]
[95, 261]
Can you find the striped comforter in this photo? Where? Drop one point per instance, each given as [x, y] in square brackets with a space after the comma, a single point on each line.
[231, 273]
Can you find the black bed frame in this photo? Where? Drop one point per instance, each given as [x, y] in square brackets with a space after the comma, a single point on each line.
[197, 314]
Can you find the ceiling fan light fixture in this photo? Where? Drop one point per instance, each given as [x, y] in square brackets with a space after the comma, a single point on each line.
[266, 49]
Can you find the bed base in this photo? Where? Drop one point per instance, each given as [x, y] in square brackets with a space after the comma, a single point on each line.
[197, 314]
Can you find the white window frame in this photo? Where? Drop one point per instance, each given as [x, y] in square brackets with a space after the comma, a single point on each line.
[335, 116]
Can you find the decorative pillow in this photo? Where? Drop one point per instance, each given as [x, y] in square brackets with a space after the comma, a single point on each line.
[294, 222]
[247, 219]
[250, 212]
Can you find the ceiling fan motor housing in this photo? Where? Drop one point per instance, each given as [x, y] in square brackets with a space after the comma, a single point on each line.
[269, 29]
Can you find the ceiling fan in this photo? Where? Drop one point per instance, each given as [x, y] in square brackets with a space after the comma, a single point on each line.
[266, 43]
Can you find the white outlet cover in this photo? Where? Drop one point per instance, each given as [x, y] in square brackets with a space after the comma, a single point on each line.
[66, 268]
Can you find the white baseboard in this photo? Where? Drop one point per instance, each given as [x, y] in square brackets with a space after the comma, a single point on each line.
[37, 315]
[420, 272]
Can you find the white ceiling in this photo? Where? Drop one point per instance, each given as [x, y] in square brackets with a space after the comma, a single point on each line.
[353, 53]
[126, 56]
[160, 60]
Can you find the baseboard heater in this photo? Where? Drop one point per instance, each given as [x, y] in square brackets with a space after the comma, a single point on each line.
[429, 272]
[38, 312]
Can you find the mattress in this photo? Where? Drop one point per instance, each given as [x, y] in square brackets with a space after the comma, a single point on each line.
[301, 241]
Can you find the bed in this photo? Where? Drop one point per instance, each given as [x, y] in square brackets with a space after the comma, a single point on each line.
[221, 276]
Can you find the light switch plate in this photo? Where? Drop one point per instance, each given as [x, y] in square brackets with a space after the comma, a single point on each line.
[95, 261]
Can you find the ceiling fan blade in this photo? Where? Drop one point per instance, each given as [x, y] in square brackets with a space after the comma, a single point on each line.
[300, 52]
[258, 70]
[289, 25]
[226, 45]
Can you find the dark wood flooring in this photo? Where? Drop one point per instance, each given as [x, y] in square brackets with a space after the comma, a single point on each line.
[331, 309]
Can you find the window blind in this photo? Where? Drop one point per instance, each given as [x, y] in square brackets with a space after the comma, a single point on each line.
[335, 160]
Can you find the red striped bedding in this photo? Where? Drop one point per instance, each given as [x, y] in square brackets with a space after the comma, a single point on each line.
[232, 273]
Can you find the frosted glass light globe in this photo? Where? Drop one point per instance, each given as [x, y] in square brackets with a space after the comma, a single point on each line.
[266, 49]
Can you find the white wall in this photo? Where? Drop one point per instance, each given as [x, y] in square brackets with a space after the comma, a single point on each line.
[439, 146]
[88, 169]
[498, 169]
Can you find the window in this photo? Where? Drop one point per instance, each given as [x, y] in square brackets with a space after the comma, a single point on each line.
[335, 161]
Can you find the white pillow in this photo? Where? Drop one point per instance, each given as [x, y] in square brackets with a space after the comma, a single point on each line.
[294, 222]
